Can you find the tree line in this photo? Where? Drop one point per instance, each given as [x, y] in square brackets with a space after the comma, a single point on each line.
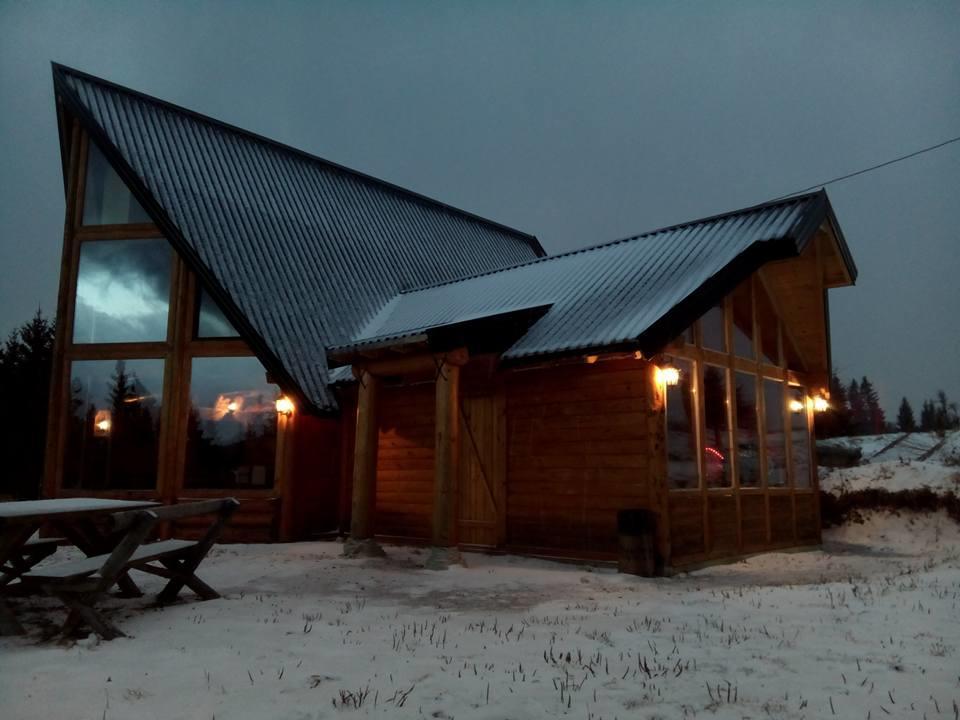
[25, 360]
[855, 410]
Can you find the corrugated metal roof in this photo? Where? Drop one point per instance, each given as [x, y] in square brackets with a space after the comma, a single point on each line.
[300, 252]
[614, 294]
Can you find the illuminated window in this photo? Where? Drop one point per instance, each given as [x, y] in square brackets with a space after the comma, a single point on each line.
[123, 291]
[114, 427]
[232, 427]
[716, 440]
[748, 445]
[799, 437]
[681, 430]
[106, 199]
[776, 445]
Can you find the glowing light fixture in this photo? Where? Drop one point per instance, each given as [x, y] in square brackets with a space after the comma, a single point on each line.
[591, 359]
[796, 406]
[285, 405]
[233, 406]
[820, 404]
[102, 423]
[668, 375]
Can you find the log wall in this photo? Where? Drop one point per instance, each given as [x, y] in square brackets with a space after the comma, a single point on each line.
[576, 453]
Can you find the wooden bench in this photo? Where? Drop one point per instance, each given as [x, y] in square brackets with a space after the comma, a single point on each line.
[78, 584]
[29, 554]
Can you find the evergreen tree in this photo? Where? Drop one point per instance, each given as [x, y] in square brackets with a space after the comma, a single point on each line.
[928, 415]
[858, 410]
[874, 420]
[835, 422]
[905, 419]
[25, 360]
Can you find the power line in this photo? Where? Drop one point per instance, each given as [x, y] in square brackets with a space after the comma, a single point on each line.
[870, 169]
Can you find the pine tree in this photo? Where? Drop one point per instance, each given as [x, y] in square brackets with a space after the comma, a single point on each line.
[858, 409]
[928, 416]
[25, 360]
[905, 419]
[874, 419]
[835, 422]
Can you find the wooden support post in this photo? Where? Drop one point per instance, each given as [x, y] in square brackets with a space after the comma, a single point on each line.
[446, 457]
[655, 402]
[364, 468]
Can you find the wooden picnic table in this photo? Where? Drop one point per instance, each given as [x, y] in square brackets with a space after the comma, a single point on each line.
[75, 518]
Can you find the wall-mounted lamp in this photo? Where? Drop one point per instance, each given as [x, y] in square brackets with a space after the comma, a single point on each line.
[285, 405]
[668, 375]
[820, 404]
[102, 423]
[233, 406]
[796, 406]
[591, 359]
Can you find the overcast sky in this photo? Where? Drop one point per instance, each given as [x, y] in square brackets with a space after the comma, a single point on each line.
[578, 122]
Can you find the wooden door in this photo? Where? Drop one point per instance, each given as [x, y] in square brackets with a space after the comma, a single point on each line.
[481, 516]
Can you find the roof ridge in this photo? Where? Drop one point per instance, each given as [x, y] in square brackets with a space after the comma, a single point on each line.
[640, 236]
[529, 238]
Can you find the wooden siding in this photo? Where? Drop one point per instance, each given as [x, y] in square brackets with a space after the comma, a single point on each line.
[576, 453]
[404, 503]
[481, 482]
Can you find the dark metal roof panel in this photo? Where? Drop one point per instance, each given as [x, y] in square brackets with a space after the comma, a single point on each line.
[611, 294]
[301, 251]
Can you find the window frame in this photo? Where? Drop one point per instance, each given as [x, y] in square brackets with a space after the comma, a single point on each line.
[176, 350]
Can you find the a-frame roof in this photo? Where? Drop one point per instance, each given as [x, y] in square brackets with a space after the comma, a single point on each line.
[299, 252]
[635, 293]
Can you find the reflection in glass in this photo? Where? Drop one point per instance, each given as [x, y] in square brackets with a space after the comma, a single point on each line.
[711, 329]
[743, 321]
[106, 199]
[716, 442]
[211, 322]
[799, 437]
[776, 442]
[232, 428]
[748, 444]
[123, 291]
[767, 323]
[681, 430]
[114, 425]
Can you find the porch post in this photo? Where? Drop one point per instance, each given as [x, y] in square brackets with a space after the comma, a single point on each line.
[361, 542]
[445, 466]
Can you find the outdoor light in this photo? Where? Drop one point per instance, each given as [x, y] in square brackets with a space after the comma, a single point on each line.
[668, 375]
[285, 405]
[233, 406]
[102, 423]
[591, 359]
[796, 406]
[820, 404]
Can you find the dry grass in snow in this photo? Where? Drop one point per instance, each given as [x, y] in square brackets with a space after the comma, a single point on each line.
[866, 628]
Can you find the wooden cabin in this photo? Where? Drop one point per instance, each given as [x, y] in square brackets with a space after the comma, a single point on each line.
[237, 317]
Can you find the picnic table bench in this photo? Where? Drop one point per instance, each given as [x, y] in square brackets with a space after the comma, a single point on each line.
[79, 584]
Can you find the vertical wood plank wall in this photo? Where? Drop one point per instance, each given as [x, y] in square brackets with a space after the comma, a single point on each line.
[576, 453]
[404, 504]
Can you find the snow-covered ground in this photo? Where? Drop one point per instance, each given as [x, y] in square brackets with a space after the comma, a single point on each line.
[869, 623]
[903, 447]
[866, 627]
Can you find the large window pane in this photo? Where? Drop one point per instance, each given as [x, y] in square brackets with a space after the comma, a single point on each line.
[123, 291]
[716, 442]
[211, 322]
[711, 329]
[768, 325]
[114, 426]
[799, 437]
[106, 199]
[743, 321]
[776, 444]
[232, 428]
[748, 445]
[681, 430]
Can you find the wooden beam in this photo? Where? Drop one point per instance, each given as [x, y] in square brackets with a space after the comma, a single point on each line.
[365, 458]
[656, 432]
[446, 455]
[404, 365]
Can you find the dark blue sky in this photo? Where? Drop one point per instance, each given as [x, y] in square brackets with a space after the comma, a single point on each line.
[579, 122]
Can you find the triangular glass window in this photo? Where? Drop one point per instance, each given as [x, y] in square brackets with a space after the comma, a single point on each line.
[106, 199]
[211, 322]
